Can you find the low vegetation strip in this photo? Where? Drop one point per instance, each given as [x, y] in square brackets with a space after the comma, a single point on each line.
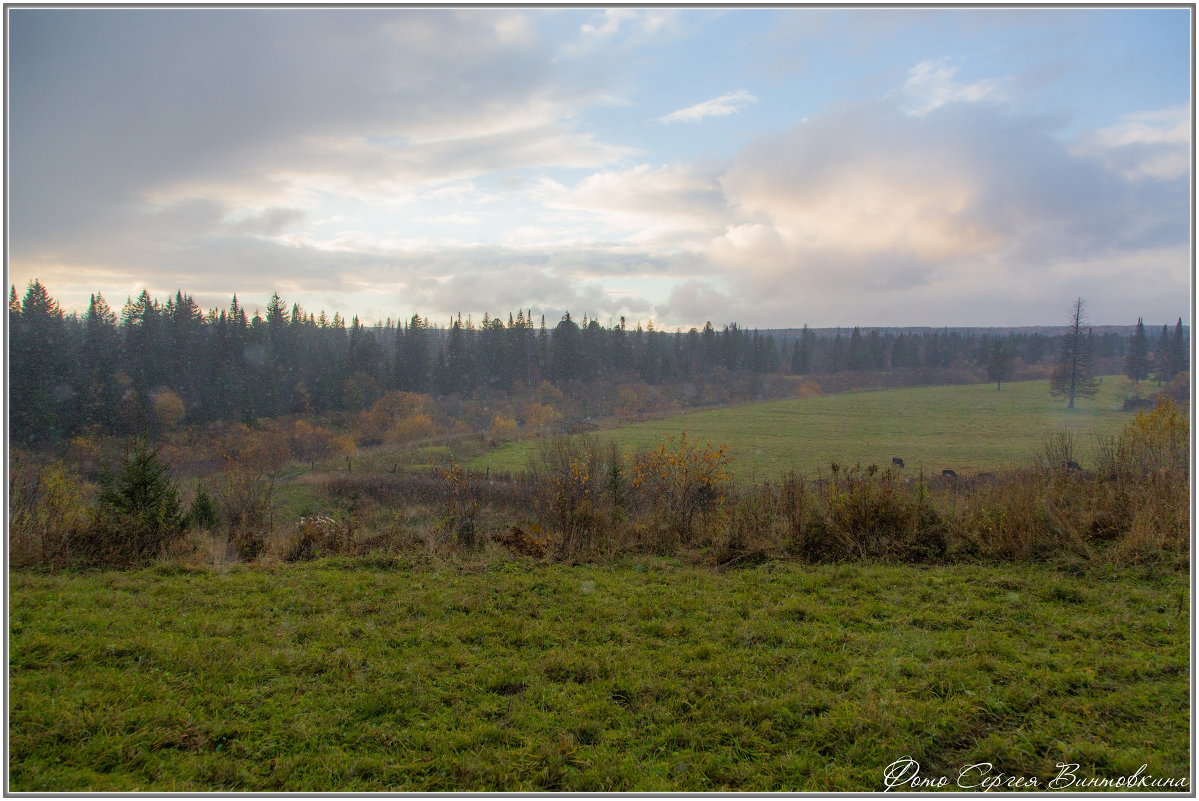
[967, 428]
[634, 674]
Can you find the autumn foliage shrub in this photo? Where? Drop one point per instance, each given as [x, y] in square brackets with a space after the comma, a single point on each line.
[461, 520]
[311, 443]
[679, 481]
[1146, 468]
[47, 513]
[411, 428]
[539, 415]
[579, 486]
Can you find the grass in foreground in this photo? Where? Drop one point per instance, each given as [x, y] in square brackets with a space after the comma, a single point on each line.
[967, 428]
[643, 674]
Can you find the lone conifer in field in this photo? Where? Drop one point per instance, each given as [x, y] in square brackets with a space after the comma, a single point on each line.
[1000, 363]
[143, 499]
[1075, 373]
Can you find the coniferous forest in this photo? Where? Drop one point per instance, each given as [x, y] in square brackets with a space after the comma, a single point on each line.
[127, 371]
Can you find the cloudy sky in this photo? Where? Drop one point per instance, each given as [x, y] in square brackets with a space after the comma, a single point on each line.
[773, 166]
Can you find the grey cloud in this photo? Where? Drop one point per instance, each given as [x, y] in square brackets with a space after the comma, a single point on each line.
[525, 286]
[692, 303]
[270, 222]
[109, 106]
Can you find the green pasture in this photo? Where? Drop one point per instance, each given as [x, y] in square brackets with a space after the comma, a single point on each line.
[374, 674]
[967, 429]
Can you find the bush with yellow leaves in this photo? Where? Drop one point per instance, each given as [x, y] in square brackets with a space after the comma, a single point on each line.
[681, 479]
[578, 492]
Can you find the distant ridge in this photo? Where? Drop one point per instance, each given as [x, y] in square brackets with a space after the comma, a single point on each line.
[1047, 330]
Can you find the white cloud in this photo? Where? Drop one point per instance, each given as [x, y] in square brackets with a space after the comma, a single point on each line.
[608, 23]
[449, 219]
[907, 217]
[1147, 144]
[638, 26]
[675, 205]
[931, 84]
[722, 106]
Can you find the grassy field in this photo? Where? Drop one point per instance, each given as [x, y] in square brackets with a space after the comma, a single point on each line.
[964, 428]
[643, 674]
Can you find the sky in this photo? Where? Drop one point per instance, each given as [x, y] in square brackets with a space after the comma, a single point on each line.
[772, 167]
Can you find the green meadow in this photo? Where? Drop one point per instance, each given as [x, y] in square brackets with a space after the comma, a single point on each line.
[968, 429]
[640, 674]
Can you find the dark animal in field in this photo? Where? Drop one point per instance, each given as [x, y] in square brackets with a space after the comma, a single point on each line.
[1073, 465]
[897, 462]
[949, 473]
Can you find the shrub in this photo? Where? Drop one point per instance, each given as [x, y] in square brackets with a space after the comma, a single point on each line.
[806, 523]
[502, 424]
[539, 415]
[1014, 519]
[376, 423]
[1058, 451]
[462, 517]
[1146, 468]
[317, 536]
[530, 540]
[248, 507]
[46, 513]
[169, 409]
[808, 389]
[749, 529]
[579, 488]
[681, 479]
[1155, 444]
[871, 515]
[412, 427]
[311, 443]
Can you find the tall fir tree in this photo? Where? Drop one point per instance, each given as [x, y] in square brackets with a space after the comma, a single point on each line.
[40, 392]
[1136, 363]
[99, 390]
[1179, 350]
[1163, 357]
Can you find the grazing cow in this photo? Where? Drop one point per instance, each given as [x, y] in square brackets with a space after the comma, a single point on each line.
[897, 462]
[949, 473]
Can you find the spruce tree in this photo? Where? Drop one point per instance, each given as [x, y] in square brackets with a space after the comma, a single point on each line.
[203, 512]
[565, 351]
[40, 392]
[100, 393]
[1074, 376]
[1163, 357]
[139, 508]
[1000, 362]
[1136, 364]
[1180, 358]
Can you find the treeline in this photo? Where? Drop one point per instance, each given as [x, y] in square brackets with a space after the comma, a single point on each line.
[157, 364]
